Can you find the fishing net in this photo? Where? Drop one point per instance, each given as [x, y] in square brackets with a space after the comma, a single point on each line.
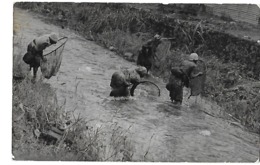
[163, 53]
[147, 87]
[53, 54]
[197, 84]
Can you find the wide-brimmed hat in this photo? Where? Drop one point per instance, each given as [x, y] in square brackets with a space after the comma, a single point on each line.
[54, 37]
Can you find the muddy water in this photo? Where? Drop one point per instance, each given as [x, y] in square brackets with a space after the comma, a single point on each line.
[157, 130]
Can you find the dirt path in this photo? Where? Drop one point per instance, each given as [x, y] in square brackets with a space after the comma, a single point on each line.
[168, 134]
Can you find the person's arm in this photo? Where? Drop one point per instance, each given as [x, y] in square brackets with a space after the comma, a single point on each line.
[196, 75]
[193, 75]
[149, 42]
[135, 80]
[132, 90]
[126, 84]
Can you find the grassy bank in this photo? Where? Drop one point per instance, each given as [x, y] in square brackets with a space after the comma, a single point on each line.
[231, 61]
[42, 130]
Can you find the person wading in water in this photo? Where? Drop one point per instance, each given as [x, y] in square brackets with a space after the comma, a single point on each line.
[180, 77]
[148, 52]
[34, 54]
[121, 81]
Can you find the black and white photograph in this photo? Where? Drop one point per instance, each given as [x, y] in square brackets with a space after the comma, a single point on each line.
[135, 82]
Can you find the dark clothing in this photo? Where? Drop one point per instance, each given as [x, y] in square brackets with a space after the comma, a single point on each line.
[175, 87]
[145, 58]
[180, 77]
[147, 53]
[187, 68]
[33, 57]
[179, 74]
[118, 80]
[37, 56]
[121, 81]
[120, 91]
[35, 49]
[152, 43]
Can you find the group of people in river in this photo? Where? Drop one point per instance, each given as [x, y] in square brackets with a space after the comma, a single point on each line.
[125, 81]
[180, 75]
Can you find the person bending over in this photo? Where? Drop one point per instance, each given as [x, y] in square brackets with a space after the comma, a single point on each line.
[180, 77]
[122, 80]
[34, 54]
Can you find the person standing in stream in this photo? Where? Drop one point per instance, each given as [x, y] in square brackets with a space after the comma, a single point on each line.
[121, 81]
[148, 52]
[34, 54]
[180, 77]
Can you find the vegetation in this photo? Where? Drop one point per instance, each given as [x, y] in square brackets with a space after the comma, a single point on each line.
[233, 69]
[42, 130]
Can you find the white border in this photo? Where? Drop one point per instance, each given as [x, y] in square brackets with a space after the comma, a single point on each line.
[6, 30]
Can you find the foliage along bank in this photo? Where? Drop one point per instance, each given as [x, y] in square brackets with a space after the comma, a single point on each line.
[230, 60]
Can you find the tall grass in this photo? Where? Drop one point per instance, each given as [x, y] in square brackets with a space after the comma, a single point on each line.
[120, 26]
[38, 103]
[36, 111]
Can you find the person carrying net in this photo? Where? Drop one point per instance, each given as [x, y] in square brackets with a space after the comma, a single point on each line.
[121, 81]
[148, 52]
[34, 55]
[180, 77]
